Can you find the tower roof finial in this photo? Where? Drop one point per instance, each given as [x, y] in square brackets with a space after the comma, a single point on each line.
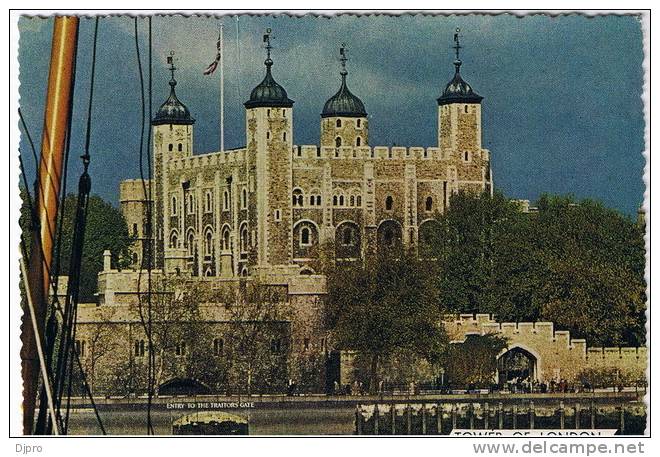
[457, 47]
[343, 58]
[268, 62]
[172, 111]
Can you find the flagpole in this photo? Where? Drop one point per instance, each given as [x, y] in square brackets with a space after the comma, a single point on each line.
[222, 91]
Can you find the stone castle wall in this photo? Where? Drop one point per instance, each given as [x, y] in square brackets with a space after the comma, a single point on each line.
[558, 356]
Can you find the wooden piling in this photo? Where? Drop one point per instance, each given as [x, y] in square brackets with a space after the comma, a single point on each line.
[500, 416]
[486, 415]
[593, 415]
[438, 418]
[532, 415]
[376, 414]
[423, 413]
[577, 415]
[514, 413]
[408, 420]
[358, 421]
[393, 416]
[561, 415]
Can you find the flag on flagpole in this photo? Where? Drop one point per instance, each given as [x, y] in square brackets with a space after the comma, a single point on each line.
[214, 65]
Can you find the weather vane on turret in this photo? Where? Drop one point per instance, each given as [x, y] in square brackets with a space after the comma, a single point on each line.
[268, 62]
[170, 62]
[343, 58]
[457, 46]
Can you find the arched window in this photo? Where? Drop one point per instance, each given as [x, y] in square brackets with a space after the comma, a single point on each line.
[359, 123]
[284, 136]
[334, 200]
[318, 200]
[135, 230]
[180, 147]
[191, 204]
[359, 200]
[429, 204]
[209, 202]
[225, 200]
[298, 199]
[305, 239]
[170, 147]
[135, 258]
[466, 108]
[174, 240]
[312, 200]
[341, 200]
[467, 156]
[352, 200]
[208, 243]
[244, 239]
[225, 239]
[338, 122]
[244, 198]
[173, 209]
[348, 237]
[338, 142]
[191, 241]
[358, 141]
[389, 202]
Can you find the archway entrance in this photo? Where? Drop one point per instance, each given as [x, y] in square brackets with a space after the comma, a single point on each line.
[517, 366]
[183, 386]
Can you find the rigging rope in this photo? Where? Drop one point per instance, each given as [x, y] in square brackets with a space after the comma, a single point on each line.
[146, 252]
[34, 222]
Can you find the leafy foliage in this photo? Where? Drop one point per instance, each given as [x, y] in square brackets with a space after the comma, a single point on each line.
[578, 264]
[474, 361]
[385, 306]
[105, 229]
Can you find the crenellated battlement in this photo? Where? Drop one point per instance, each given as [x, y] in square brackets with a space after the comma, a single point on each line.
[555, 349]
[306, 152]
[231, 157]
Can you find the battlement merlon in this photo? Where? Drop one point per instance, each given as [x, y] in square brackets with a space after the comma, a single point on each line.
[382, 153]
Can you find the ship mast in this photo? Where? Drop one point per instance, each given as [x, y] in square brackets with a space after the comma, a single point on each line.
[53, 143]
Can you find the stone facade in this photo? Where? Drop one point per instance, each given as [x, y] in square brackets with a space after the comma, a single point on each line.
[265, 212]
[555, 354]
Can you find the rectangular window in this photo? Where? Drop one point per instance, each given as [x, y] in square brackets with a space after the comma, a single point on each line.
[278, 215]
[180, 349]
[276, 346]
[139, 348]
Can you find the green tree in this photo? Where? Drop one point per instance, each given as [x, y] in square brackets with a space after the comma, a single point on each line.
[257, 338]
[385, 306]
[105, 229]
[576, 263]
[473, 361]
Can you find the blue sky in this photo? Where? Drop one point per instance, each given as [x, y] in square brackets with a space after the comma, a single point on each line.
[562, 111]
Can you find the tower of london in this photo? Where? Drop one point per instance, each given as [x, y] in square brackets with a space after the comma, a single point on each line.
[270, 206]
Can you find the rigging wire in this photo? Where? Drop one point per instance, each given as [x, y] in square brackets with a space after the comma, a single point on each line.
[51, 329]
[40, 351]
[146, 253]
[61, 314]
[31, 209]
[84, 187]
